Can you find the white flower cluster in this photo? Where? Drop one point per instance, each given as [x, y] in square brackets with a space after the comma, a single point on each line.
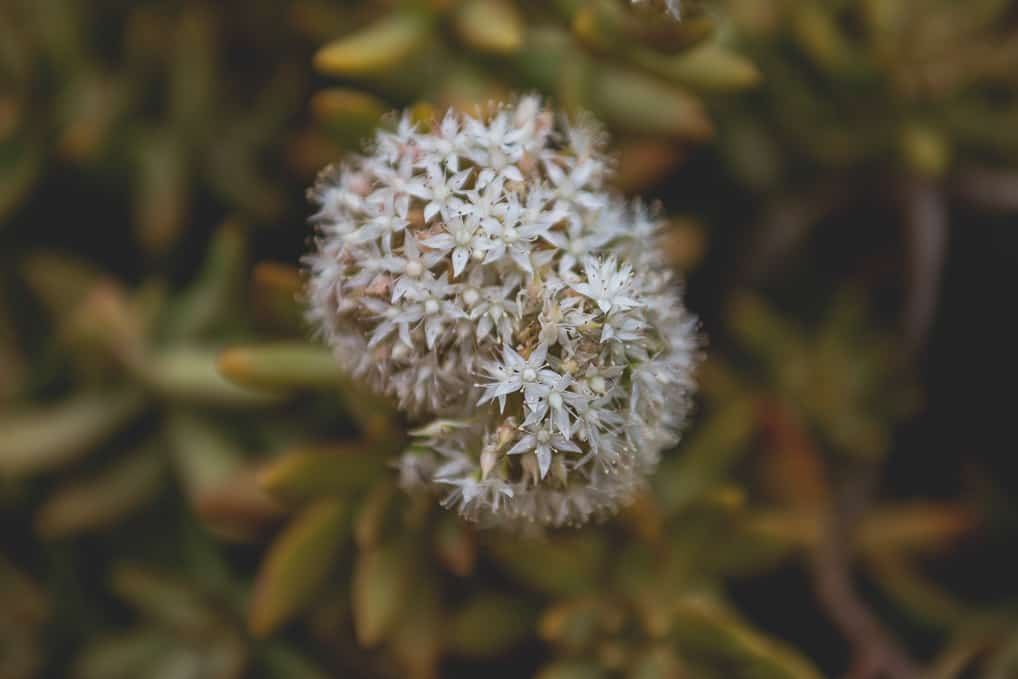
[480, 272]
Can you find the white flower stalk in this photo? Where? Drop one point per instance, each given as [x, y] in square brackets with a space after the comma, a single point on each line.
[481, 272]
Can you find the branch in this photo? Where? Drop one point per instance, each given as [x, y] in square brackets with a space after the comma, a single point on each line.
[878, 654]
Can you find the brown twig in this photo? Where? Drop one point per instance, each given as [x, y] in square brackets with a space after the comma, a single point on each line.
[988, 188]
[926, 232]
[878, 654]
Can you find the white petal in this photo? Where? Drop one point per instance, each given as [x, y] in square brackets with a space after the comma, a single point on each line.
[432, 328]
[543, 460]
[512, 172]
[430, 210]
[460, 257]
[484, 327]
[522, 260]
[562, 422]
[404, 335]
[525, 444]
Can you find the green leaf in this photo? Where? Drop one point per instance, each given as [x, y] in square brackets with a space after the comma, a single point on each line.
[125, 656]
[489, 25]
[567, 565]
[380, 585]
[281, 662]
[212, 296]
[709, 67]
[489, 625]
[203, 455]
[52, 436]
[636, 102]
[297, 565]
[303, 474]
[165, 599]
[703, 628]
[161, 190]
[189, 374]
[417, 637]
[702, 462]
[282, 366]
[377, 47]
[95, 502]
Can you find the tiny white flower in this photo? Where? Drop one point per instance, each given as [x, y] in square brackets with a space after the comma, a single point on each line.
[514, 373]
[607, 283]
[463, 238]
[543, 443]
[439, 191]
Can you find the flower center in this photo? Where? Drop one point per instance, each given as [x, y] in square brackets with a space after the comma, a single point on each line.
[543, 436]
[471, 297]
[510, 235]
[598, 384]
[431, 307]
[414, 268]
[529, 375]
[555, 400]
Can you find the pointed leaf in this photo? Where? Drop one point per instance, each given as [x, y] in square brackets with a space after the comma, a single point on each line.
[379, 591]
[376, 515]
[377, 47]
[54, 435]
[489, 25]
[634, 101]
[93, 503]
[709, 67]
[489, 625]
[303, 474]
[282, 366]
[417, 637]
[125, 656]
[297, 565]
[189, 374]
[212, 296]
[705, 629]
[165, 599]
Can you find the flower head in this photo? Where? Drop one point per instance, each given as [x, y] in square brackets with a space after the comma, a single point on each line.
[480, 271]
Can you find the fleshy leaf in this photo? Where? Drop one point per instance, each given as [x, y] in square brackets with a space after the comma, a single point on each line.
[297, 565]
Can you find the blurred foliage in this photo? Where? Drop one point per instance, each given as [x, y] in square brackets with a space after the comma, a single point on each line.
[189, 488]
